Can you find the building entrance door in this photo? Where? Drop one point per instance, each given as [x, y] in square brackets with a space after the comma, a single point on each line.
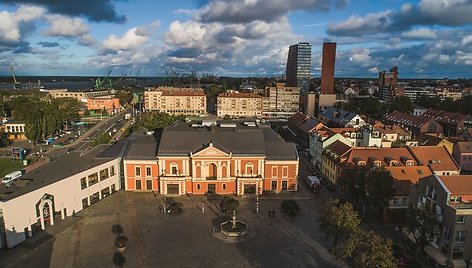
[274, 186]
[173, 189]
[149, 184]
[212, 188]
[249, 188]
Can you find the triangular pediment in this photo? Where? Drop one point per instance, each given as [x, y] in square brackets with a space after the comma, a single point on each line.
[210, 150]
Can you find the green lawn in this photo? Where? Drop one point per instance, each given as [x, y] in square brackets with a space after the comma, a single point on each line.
[8, 165]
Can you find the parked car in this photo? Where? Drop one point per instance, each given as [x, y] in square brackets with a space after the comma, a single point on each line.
[10, 177]
[70, 150]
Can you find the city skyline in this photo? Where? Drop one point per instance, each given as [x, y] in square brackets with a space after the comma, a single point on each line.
[426, 39]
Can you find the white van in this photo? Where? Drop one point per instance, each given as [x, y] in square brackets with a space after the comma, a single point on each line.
[314, 183]
[11, 177]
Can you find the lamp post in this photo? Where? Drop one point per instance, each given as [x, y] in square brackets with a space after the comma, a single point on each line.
[257, 203]
[203, 206]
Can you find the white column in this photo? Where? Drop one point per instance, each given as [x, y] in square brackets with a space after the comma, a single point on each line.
[41, 216]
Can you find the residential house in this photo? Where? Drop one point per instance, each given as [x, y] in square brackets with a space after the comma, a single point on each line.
[365, 136]
[334, 117]
[306, 128]
[450, 197]
[453, 123]
[332, 160]
[435, 139]
[462, 153]
[295, 121]
[418, 110]
[320, 140]
[405, 177]
[393, 133]
[436, 158]
[416, 124]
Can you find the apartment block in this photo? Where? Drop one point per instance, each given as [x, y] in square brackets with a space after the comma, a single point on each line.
[236, 104]
[184, 101]
[280, 101]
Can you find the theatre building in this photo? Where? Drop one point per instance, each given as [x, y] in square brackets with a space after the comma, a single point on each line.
[224, 157]
[55, 191]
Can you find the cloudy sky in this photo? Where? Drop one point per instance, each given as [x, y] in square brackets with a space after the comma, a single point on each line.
[425, 38]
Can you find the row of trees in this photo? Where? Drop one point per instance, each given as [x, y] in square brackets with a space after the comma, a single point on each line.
[43, 116]
[459, 106]
[153, 120]
[340, 221]
[374, 108]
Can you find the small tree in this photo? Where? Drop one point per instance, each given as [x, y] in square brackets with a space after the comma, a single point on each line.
[368, 250]
[424, 225]
[290, 207]
[229, 204]
[379, 188]
[338, 220]
[401, 104]
[227, 117]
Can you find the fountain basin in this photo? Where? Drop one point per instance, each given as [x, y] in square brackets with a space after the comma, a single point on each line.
[228, 230]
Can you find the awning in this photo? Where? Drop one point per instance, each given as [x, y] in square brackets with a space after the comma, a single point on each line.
[437, 255]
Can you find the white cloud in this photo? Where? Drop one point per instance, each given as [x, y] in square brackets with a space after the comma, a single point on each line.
[467, 40]
[361, 57]
[66, 26]
[371, 23]
[132, 39]
[11, 22]
[422, 33]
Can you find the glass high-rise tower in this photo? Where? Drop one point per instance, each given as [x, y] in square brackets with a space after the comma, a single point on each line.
[299, 66]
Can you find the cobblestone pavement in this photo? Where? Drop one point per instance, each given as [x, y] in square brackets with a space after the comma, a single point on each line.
[160, 240]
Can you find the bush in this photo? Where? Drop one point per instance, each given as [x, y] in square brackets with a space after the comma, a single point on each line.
[121, 241]
[175, 208]
[290, 207]
[228, 204]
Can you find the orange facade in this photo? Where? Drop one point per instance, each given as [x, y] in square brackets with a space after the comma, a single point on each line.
[211, 170]
[110, 105]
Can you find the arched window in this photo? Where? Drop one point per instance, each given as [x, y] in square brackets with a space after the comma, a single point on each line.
[249, 168]
[224, 171]
[212, 171]
[174, 169]
[198, 171]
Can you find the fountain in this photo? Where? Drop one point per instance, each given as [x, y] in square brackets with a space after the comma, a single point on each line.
[233, 230]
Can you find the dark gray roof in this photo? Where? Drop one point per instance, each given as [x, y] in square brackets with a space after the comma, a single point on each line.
[64, 167]
[143, 146]
[183, 138]
[339, 116]
[281, 151]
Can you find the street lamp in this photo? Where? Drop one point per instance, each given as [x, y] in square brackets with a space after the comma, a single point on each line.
[203, 206]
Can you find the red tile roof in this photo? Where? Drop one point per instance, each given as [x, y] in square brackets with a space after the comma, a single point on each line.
[408, 120]
[437, 157]
[384, 155]
[407, 175]
[298, 118]
[464, 146]
[445, 117]
[338, 147]
[458, 184]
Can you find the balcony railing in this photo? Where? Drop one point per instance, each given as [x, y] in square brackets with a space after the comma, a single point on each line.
[460, 205]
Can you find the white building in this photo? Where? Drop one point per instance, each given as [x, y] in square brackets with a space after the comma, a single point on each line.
[320, 140]
[57, 190]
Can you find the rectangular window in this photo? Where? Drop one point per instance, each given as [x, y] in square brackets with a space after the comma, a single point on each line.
[404, 200]
[285, 172]
[461, 219]
[274, 172]
[148, 171]
[137, 171]
[174, 170]
[460, 236]
[457, 251]
[92, 179]
[138, 185]
[395, 201]
[83, 183]
[284, 185]
[112, 170]
[94, 198]
[104, 174]
[149, 184]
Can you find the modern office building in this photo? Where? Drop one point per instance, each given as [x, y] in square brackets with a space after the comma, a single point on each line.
[327, 68]
[299, 66]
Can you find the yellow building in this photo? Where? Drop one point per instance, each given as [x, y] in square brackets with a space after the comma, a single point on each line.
[14, 130]
[185, 101]
[237, 104]
[331, 160]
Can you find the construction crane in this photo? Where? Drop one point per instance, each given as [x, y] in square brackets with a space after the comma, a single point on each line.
[15, 82]
[100, 82]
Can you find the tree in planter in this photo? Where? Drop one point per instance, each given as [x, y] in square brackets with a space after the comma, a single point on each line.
[228, 204]
[120, 243]
[338, 220]
[368, 250]
[176, 208]
[290, 207]
[424, 225]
